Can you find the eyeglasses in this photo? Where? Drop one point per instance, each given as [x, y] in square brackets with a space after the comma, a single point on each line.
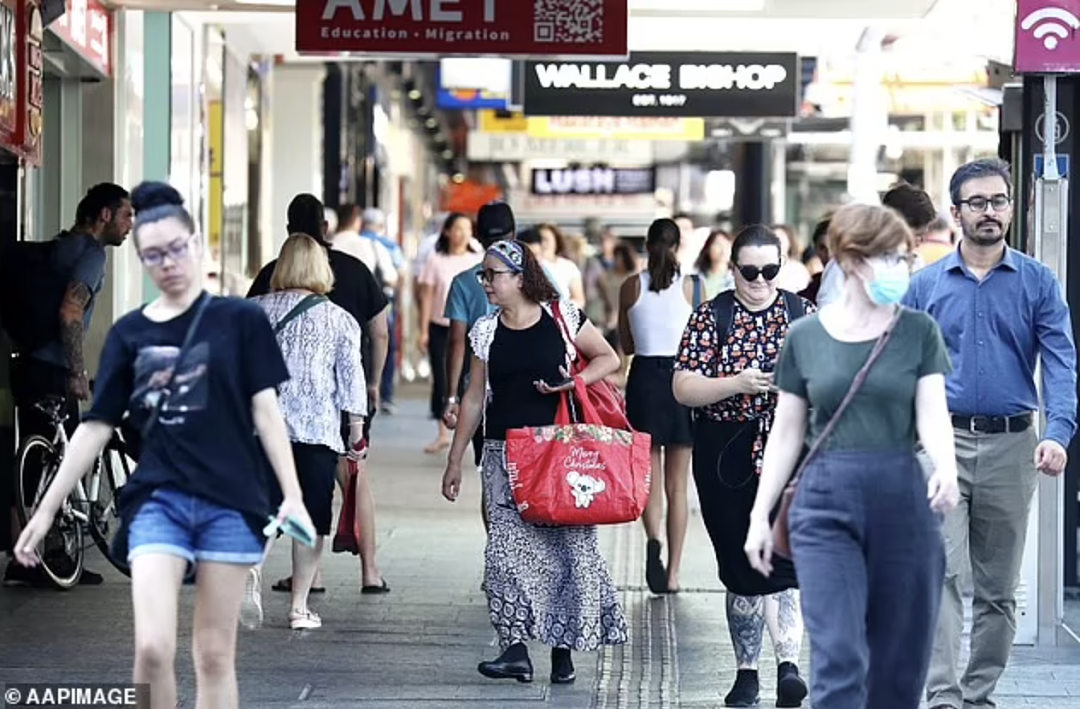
[894, 259]
[751, 273]
[488, 275]
[176, 250]
[1000, 202]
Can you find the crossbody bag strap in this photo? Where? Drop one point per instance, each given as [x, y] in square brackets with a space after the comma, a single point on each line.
[570, 346]
[856, 385]
[299, 309]
[696, 281]
[189, 338]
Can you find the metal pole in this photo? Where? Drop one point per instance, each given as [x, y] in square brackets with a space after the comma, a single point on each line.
[869, 119]
[1051, 225]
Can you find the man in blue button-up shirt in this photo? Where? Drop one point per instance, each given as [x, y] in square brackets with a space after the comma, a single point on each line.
[1001, 313]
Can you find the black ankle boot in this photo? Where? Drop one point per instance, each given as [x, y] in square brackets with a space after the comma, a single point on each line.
[514, 663]
[790, 687]
[746, 692]
[562, 667]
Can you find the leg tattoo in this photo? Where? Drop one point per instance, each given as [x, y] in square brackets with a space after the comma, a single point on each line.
[784, 617]
[746, 623]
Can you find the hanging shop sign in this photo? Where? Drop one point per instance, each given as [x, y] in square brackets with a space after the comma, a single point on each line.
[470, 99]
[9, 71]
[24, 136]
[504, 28]
[679, 84]
[620, 128]
[517, 147]
[747, 129]
[593, 181]
[86, 28]
[31, 72]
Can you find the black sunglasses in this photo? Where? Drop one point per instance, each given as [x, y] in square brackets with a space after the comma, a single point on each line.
[751, 273]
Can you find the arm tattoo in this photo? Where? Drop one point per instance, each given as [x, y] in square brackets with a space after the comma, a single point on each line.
[72, 309]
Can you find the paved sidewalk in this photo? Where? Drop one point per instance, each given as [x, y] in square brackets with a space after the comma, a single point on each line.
[418, 645]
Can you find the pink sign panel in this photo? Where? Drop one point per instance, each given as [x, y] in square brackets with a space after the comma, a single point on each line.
[1047, 36]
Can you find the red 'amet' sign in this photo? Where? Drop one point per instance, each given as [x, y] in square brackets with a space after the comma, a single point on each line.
[9, 68]
[22, 124]
[519, 28]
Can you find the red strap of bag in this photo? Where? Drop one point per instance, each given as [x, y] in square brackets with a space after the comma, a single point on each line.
[601, 403]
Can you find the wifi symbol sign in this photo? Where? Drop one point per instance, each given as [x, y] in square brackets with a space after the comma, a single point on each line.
[1051, 25]
[1045, 37]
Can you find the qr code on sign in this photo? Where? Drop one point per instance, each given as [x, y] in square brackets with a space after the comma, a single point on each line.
[569, 21]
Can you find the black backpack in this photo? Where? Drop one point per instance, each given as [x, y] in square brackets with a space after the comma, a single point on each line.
[32, 290]
[723, 307]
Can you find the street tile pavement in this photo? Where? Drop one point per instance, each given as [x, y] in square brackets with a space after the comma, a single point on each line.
[418, 646]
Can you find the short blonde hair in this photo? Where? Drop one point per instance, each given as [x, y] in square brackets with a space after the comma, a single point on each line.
[303, 264]
[867, 230]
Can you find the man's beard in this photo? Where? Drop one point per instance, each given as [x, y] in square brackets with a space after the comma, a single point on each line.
[977, 235]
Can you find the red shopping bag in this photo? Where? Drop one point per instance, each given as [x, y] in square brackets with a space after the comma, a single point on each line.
[347, 536]
[578, 474]
[606, 398]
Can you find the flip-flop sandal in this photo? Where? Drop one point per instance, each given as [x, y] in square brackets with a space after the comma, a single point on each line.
[381, 588]
[285, 586]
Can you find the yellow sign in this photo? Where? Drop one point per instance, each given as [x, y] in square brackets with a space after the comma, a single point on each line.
[583, 127]
[502, 122]
[216, 138]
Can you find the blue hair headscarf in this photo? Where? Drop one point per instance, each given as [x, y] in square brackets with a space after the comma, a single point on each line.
[512, 253]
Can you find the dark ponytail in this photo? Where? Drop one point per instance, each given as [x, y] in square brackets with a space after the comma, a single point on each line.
[662, 243]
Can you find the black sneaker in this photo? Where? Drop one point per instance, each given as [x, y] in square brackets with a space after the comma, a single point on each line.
[29, 576]
[790, 687]
[89, 578]
[746, 692]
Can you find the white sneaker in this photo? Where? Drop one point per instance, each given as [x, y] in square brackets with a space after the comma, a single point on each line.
[304, 620]
[251, 611]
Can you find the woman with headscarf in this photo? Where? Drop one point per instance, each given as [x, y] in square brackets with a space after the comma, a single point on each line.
[543, 583]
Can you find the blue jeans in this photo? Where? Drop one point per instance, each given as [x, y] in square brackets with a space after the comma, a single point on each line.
[178, 524]
[870, 558]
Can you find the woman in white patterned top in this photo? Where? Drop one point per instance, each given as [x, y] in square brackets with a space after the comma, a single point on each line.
[321, 345]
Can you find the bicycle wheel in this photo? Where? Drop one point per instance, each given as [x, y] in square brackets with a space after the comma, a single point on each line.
[61, 550]
[105, 510]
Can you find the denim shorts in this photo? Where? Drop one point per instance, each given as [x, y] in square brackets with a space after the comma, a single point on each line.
[192, 528]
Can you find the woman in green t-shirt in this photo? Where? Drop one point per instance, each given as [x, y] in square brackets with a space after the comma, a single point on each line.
[865, 521]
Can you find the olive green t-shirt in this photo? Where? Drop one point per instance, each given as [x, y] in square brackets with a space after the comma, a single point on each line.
[820, 369]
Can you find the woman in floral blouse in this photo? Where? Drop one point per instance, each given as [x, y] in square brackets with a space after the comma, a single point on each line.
[723, 369]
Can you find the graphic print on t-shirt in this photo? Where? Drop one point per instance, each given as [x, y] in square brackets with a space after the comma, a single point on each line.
[153, 368]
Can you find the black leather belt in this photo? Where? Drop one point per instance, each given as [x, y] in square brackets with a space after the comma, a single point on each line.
[993, 424]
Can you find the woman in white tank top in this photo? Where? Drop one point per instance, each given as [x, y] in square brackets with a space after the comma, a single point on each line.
[654, 307]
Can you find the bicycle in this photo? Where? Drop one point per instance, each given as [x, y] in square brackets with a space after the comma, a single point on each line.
[93, 506]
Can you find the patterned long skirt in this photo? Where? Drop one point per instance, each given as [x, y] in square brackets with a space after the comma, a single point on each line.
[549, 584]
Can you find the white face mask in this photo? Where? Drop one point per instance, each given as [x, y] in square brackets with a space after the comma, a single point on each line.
[890, 280]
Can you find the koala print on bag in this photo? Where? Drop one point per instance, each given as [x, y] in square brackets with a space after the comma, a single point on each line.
[584, 487]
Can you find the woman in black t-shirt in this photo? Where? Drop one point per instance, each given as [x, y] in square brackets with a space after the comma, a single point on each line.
[201, 494]
[543, 583]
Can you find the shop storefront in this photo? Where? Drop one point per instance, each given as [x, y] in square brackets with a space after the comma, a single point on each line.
[20, 148]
